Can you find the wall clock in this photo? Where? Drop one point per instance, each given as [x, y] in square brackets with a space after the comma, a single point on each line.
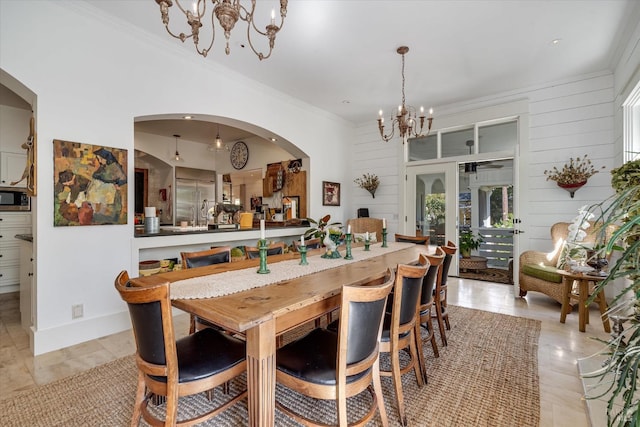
[239, 155]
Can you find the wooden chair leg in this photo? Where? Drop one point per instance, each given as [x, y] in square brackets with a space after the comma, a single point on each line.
[397, 384]
[443, 335]
[421, 360]
[139, 398]
[602, 303]
[377, 388]
[192, 324]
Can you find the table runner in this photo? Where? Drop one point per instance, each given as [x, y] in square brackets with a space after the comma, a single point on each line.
[229, 282]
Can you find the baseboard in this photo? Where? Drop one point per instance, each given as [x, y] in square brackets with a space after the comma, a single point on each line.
[78, 332]
[596, 407]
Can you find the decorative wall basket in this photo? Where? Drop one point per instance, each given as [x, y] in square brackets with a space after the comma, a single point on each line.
[572, 188]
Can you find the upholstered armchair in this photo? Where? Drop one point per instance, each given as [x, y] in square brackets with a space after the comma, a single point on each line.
[538, 270]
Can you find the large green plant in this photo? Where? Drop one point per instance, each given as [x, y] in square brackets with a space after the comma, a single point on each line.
[468, 242]
[620, 372]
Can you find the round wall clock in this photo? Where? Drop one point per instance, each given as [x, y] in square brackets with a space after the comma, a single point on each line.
[239, 155]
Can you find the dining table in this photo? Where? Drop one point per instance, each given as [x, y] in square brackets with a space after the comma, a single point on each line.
[279, 304]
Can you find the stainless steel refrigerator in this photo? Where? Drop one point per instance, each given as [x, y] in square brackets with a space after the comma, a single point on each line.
[195, 194]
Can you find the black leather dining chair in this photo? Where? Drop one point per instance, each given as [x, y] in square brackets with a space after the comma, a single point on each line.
[174, 368]
[336, 365]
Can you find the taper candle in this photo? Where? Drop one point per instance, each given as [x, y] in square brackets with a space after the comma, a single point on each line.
[262, 232]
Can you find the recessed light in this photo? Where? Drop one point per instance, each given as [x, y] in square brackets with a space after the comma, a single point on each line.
[346, 101]
[273, 139]
[556, 42]
[187, 117]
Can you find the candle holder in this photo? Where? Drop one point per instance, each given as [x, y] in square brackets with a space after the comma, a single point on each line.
[367, 242]
[384, 238]
[262, 246]
[347, 239]
[303, 255]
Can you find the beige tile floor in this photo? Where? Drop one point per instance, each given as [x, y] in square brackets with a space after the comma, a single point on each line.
[560, 346]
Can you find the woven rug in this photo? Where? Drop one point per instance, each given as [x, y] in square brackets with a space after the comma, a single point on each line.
[495, 275]
[487, 376]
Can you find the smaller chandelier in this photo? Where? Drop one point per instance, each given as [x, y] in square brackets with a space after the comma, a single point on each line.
[406, 119]
[228, 12]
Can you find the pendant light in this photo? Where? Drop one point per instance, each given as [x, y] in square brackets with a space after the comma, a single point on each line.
[177, 157]
[218, 144]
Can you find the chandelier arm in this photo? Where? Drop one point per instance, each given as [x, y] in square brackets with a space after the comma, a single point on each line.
[228, 12]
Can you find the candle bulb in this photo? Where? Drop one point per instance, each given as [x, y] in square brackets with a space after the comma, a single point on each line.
[273, 16]
[302, 240]
[430, 112]
[421, 110]
[262, 232]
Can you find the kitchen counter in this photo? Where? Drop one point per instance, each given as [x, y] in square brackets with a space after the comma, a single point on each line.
[170, 241]
[177, 231]
[25, 237]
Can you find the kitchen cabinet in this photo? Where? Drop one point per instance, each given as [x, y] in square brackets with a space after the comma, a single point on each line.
[11, 223]
[26, 284]
[11, 168]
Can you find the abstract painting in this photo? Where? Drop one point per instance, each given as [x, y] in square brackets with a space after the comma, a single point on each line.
[90, 184]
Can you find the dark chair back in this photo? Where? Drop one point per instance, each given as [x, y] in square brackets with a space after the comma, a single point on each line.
[411, 290]
[207, 257]
[449, 251]
[418, 240]
[363, 213]
[429, 280]
[309, 243]
[146, 306]
[274, 249]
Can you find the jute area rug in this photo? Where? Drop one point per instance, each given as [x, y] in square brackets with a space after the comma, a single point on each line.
[487, 376]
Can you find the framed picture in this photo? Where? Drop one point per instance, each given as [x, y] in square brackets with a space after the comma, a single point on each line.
[90, 184]
[330, 193]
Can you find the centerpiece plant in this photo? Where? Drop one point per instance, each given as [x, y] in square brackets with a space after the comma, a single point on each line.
[320, 227]
[619, 374]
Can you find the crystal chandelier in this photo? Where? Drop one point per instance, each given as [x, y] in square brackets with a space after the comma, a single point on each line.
[228, 12]
[406, 119]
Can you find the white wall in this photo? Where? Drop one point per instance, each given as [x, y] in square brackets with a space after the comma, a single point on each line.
[92, 78]
[565, 119]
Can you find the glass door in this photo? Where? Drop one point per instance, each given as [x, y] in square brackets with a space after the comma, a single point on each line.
[432, 204]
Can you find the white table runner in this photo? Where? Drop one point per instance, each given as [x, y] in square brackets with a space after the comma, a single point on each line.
[229, 282]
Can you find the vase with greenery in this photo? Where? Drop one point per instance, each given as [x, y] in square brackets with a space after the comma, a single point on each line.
[468, 242]
[369, 182]
[619, 374]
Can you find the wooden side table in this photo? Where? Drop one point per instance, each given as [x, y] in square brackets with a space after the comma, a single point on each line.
[581, 293]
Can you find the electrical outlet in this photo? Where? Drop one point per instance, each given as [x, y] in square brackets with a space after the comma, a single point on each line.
[77, 311]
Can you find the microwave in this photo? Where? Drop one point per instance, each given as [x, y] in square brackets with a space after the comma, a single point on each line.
[14, 199]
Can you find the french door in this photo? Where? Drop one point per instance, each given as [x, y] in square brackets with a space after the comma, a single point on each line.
[432, 203]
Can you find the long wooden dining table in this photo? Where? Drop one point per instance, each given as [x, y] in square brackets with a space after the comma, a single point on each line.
[263, 313]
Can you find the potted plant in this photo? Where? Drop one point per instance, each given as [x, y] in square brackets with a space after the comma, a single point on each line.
[319, 227]
[573, 175]
[620, 371]
[468, 242]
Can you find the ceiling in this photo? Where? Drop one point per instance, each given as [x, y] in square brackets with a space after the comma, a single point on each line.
[340, 55]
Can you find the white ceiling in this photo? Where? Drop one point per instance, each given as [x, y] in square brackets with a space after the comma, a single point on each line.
[340, 55]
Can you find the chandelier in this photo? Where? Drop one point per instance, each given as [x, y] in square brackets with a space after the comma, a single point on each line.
[228, 12]
[406, 119]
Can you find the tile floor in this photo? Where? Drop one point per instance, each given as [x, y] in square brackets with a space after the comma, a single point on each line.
[560, 346]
